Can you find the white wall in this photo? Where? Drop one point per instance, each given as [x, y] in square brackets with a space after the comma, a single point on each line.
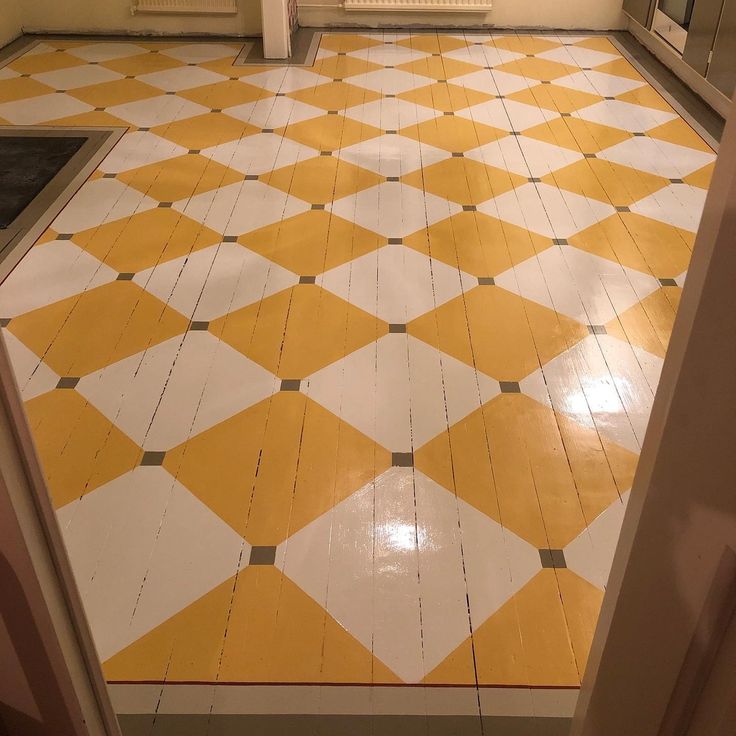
[10, 25]
[586, 14]
[114, 16]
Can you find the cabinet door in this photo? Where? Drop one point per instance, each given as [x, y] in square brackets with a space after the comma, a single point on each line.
[702, 33]
[640, 10]
[722, 69]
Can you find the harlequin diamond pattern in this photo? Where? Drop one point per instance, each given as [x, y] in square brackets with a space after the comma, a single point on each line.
[351, 356]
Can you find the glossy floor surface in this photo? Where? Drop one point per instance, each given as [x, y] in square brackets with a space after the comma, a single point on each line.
[340, 374]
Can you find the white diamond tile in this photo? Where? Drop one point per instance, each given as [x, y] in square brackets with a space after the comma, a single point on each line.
[181, 78]
[241, 207]
[483, 55]
[32, 375]
[260, 153]
[177, 389]
[578, 56]
[392, 155]
[386, 81]
[598, 83]
[41, 109]
[391, 114]
[484, 81]
[138, 531]
[201, 53]
[394, 210]
[137, 149]
[678, 204]
[658, 157]
[286, 79]
[100, 51]
[400, 391]
[8, 73]
[590, 555]
[543, 209]
[77, 76]
[274, 112]
[389, 55]
[624, 115]
[98, 202]
[49, 273]
[507, 115]
[396, 284]
[389, 563]
[214, 281]
[155, 111]
[590, 289]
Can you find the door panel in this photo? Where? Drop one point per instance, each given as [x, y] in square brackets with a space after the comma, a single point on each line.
[702, 33]
[722, 69]
[640, 10]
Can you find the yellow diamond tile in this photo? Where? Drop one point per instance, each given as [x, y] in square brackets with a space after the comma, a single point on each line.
[274, 468]
[525, 44]
[341, 67]
[638, 242]
[432, 43]
[445, 97]
[118, 92]
[598, 43]
[93, 119]
[133, 66]
[139, 242]
[453, 133]
[464, 181]
[578, 135]
[679, 132]
[645, 96]
[226, 94]
[335, 96]
[322, 179]
[620, 68]
[47, 237]
[537, 473]
[606, 181]
[555, 98]
[329, 132]
[255, 627]
[180, 177]
[535, 68]
[39, 63]
[346, 42]
[80, 449]
[204, 131]
[312, 242]
[500, 333]
[21, 88]
[298, 331]
[519, 645]
[438, 67]
[700, 178]
[477, 244]
[648, 324]
[97, 328]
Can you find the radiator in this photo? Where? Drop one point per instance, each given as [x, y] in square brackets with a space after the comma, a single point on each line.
[468, 6]
[198, 7]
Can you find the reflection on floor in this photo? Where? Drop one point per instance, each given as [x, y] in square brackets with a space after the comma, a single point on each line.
[339, 375]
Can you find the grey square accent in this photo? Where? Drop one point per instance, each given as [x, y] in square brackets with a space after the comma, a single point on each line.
[530, 56]
[230, 239]
[267, 130]
[458, 154]
[291, 384]
[449, 114]
[623, 209]
[469, 208]
[393, 178]
[552, 558]
[486, 281]
[280, 94]
[318, 206]
[251, 177]
[325, 153]
[436, 54]
[342, 53]
[125, 276]
[194, 151]
[25, 76]
[597, 330]
[170, 93]
[397, 329]
[608, 97]
[109, 176]
[391, 132]
[338, 80]
[332, 112]
[143, 130]
[509, 387]
[390, 97]
[388, 66]
[668, 282]
[64, 236]
[546, 81]
[67, 382]
[402, 459]
[534, 180]
[99, 109]
[307, 279]
[152, 458]
[441, 81]
[4, 321]
[565, 115]
[585, 68]
[499, 97]
[166, 205]
[60, 91]
[234, 79]
[589, 155]
[640, 134]
[560, 241]
[262, 555]
[395, 241]
[676, 181]
[216, 109]
[514, 132]
[199, 326]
